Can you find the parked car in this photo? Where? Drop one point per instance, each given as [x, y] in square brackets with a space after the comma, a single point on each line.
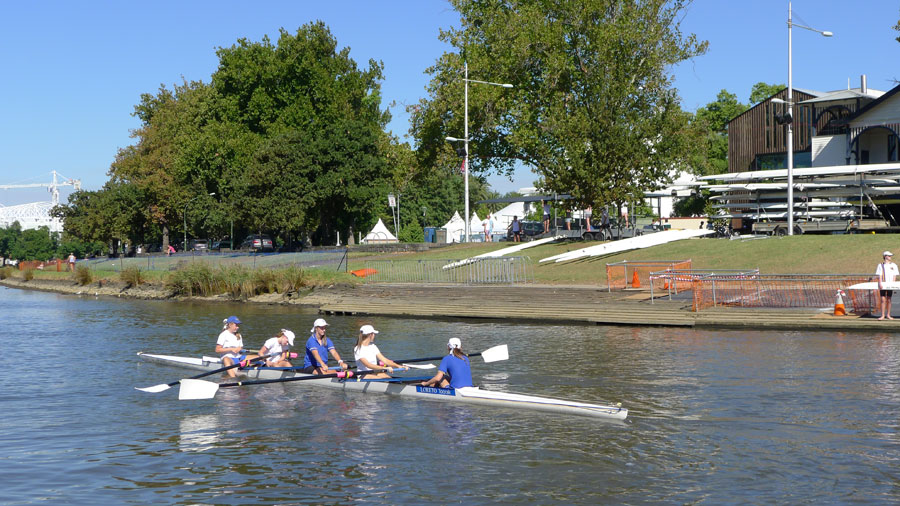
[528, 228]
[199, 245]
[257, 242]
[218, 245]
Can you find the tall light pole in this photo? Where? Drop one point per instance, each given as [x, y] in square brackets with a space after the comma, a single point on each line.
[465, 139]
[790, 105]
[184, 246]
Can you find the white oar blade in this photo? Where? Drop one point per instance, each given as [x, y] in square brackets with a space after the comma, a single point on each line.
[423, 366]
[155, 389]
[495, 354]
[193, 389]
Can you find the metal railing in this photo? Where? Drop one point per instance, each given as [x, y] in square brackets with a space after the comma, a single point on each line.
[503, 270]
[681, 280]
[779, 291]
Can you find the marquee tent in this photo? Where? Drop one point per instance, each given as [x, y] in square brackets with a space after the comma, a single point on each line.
[379, 235]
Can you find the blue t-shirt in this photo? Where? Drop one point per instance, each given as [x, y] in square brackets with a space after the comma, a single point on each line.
[313, 344]
[458, 369]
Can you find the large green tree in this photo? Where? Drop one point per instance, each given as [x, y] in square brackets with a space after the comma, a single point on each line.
[593, 110]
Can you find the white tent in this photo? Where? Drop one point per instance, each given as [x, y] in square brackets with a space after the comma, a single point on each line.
[475, 227]
[455, 228]
[379, 235]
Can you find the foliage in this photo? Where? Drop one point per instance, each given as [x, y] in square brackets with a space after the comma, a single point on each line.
[34, 244]
[28, 274]
[5, 272]
[132, 276]
[695, 205]
[593, 109]
[762, 91]
[239, 282]
[83, 275]
[412, 232]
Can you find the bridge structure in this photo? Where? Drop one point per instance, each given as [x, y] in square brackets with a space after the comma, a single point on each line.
[37, 214]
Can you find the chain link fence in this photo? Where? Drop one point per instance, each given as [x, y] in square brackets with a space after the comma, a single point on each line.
[504, 270]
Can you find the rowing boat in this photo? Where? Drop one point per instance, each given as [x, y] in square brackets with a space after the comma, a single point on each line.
[402, 386]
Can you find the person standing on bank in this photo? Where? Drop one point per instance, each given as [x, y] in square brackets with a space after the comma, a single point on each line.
[71, 262]
[546, 206]
[317, 349]
[369, 358]
[886, 272]
[455, 370]
[230, 345]
[516, 228]
[280, 344]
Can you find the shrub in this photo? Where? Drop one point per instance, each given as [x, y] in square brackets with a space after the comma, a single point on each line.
[196, 278]
[292, 279]
[265, 281]
[84, 275]
[132, 276]
[6, 272]
[236, 280]
[28, 274]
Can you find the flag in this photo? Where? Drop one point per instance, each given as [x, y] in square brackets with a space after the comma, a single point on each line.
[462, 168]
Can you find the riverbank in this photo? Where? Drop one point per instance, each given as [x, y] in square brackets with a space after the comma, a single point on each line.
[556, 304]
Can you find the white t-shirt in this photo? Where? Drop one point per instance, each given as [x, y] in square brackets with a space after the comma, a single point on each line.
[369, 353]
[273, 346]
[887, 272]
[229, 340]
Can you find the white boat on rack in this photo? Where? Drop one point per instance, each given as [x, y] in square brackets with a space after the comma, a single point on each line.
[406, 387]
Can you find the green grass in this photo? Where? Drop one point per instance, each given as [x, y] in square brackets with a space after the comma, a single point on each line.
[806, 254]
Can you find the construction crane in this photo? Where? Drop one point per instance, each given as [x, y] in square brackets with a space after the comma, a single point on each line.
[53, 186]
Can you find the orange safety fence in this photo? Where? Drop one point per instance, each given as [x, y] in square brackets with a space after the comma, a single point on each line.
[625, 274]
[54, 265]
[781, 291]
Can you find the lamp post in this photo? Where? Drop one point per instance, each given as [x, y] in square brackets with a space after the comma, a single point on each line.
[790, 105]
[465, 139]
[185, 218]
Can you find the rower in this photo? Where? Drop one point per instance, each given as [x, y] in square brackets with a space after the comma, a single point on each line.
[317, 349]
[279, 344]
[368, 357]
[455, 370]
[230, 345]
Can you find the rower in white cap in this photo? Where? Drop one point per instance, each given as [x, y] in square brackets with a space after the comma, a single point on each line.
[455, 370]
[280, 344]
[317, 349]
[368, 357]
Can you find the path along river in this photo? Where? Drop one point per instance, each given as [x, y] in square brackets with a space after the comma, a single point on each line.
[716, 417]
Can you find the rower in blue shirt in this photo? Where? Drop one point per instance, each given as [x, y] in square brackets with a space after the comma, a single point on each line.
[455, 370]
[318, 347]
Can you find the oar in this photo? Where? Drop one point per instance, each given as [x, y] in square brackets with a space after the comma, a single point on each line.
[192, 389]
[494, 354]
[163, 387]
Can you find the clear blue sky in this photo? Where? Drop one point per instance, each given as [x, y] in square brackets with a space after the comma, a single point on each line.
[73, 71]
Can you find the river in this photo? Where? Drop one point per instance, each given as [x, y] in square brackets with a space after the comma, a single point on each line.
[716, 417]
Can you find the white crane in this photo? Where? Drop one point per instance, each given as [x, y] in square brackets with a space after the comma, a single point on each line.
[53, 186]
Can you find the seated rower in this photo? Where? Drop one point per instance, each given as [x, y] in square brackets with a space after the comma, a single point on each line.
[369, 358]
[230, 345]
[317, 349]
[280, 344]
[455, 370]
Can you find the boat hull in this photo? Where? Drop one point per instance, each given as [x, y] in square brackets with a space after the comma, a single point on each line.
[395, 386]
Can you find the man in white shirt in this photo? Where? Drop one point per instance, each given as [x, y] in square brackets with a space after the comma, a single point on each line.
[886, 272]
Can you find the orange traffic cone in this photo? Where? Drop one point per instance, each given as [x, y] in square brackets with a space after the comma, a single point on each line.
[635, 281]
[839, 304]
[666, 284]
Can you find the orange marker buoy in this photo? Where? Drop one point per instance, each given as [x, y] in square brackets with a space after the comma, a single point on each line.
[839, 304]
[635, 280]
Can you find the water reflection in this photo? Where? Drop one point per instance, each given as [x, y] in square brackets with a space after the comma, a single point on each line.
[199, 433]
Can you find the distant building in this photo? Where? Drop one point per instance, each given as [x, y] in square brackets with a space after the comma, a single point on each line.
[30, 216]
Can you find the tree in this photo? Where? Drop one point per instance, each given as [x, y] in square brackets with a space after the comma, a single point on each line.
[593, 109]
[713, 119]
[762, 91]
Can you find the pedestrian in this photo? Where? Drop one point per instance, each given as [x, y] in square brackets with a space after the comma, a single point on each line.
[318, 347]
[604, 219]
[488, 225]
[455, 370]
[568, 219]
[516, 228]
[230, 345]
[546, 206]
[71, 261]
[588, 212]
[885, 273]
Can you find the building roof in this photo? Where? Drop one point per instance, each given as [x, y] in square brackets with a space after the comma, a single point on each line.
[851, 94]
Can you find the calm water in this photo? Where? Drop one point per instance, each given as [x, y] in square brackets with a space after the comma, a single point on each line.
[716, 416]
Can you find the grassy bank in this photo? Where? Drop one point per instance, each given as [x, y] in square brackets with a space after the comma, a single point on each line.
[806, 254]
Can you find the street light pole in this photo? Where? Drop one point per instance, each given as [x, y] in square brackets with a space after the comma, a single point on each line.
[465, 139]
[790, 105]
[184, 246]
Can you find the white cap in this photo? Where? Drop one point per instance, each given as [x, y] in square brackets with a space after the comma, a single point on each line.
[454, 342]
[288, 334]
[320, 322]
[367, 329]
[887, 254]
